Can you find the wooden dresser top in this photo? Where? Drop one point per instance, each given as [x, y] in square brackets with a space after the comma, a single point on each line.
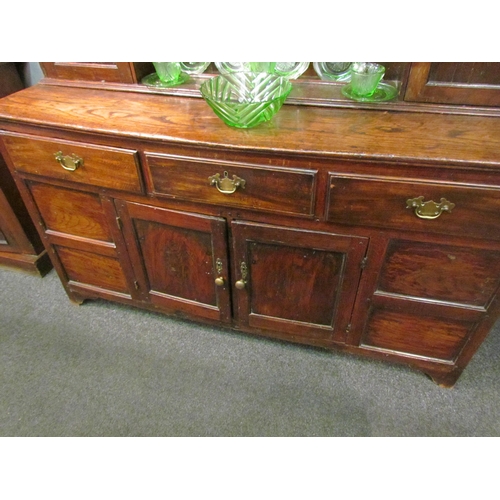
[424, 138]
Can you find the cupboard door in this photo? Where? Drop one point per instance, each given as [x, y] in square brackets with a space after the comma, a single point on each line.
[85, 242]
[476, 84]
[296, 282]
[181, 258]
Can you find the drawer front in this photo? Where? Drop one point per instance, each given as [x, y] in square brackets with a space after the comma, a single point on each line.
[106, 272]
[439, 274]
[100, 166]
[71, 213]
[381, 202]
[403, 332]
[277, 189]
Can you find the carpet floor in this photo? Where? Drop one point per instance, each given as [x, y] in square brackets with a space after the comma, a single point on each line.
[102, 369]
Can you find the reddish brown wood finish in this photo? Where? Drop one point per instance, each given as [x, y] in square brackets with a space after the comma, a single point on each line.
[20, 244]
[455, 83]
[441, 272]
[333, 256]
[120, 72]
[382, 202]
[270, 188]
[178, 255]
[101, 166]
[300, 282]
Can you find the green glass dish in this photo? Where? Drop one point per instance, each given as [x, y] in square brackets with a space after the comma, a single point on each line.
[246, 99]
[383, 92]
[153, 80]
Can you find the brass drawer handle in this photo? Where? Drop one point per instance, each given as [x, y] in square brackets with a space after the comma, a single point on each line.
[70, 163]
[225, 184]
[429, 209]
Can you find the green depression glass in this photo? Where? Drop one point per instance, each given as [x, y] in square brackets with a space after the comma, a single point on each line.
[262, 67]
[194, 68]
[168, 72]
[245, 99]
[333, 71]
[365, 78]
[290, 70]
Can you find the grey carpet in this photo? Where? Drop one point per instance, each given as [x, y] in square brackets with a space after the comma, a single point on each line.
[102, 369]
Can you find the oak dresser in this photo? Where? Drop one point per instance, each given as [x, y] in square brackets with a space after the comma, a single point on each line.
[369, 229]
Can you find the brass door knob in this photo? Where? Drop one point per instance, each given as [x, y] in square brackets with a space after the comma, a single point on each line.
[219, 281]
[240, 284]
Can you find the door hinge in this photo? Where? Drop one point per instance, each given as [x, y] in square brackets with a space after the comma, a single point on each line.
[348, 329]
[136, 285]
[363, 262]
[119, 223]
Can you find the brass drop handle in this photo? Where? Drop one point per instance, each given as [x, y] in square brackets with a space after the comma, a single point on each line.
[219, 281]
[241, 283]
[429, 209]
[68, 162]
[226, 185]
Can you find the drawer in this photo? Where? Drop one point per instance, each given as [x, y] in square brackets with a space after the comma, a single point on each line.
[276, 189]
[90, 269]
[99, 166]
[402, 332]
[383, 202]
[440, 274]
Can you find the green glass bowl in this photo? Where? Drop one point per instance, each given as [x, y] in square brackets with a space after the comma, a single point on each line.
[246, 99]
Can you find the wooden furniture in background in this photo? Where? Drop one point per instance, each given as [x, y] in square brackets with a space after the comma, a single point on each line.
[20, 244]
[451, 83]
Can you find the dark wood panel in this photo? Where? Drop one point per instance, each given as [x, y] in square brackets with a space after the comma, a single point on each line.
[417, 335]
[265, 187]
[300, 282]
[455, 83]
[479, 73]
[382, 202]
[178, 261]
[441, 272]
[181, 254]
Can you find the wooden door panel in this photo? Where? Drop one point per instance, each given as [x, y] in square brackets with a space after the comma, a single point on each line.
[181, 256]
[175, 259]
[304, 280]
[476, 84]
[302, 283]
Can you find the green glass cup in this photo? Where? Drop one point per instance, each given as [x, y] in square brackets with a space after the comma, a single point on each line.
[168, 72]
[365, 78]
[262, 67]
